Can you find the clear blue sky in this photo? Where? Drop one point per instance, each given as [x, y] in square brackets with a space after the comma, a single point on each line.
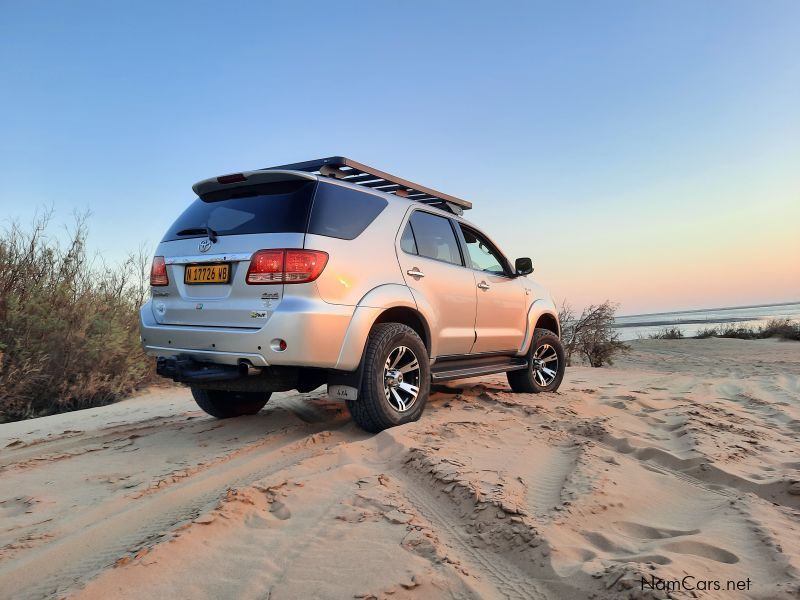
[648, 152]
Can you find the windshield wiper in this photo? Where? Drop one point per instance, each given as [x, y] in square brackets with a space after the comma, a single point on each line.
[212, 235]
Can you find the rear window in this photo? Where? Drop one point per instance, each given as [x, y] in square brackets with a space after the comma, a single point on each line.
[343, 213]
[277, 207]
[434, 237]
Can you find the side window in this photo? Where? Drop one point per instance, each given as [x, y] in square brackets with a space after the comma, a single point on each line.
[341, 212]
[435, 237]
[483, 256]
[407, 242]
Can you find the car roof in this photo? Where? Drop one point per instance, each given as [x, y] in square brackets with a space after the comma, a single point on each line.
[261, 176]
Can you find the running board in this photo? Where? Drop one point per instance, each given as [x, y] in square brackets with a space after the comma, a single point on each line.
[463, 370]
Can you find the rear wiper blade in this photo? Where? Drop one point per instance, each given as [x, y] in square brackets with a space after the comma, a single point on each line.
[192, 231]
[212, 235]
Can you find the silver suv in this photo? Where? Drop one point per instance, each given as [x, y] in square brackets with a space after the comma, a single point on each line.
[332, 272]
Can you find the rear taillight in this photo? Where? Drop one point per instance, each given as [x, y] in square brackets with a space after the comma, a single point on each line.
[158, 272]
[286, 266]
[266, 266]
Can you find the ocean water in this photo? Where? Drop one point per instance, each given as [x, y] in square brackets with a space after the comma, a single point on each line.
[631, 327]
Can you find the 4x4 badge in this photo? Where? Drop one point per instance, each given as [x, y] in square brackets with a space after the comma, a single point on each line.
[205, 245]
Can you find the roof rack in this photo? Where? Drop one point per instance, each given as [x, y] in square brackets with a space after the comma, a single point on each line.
[340, 167]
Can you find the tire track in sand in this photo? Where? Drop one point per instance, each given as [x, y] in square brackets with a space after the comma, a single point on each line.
[109, 531]
[505, 578]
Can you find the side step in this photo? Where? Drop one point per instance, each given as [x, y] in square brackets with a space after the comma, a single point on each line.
[474, 367]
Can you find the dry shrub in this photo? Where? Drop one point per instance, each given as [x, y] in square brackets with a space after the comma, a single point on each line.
[705, 333]
[591, 335]
[668, 333]
[68, 324]
[784, 329]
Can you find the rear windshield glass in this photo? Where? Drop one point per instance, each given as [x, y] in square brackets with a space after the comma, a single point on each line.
[341, 212]
[270, 208]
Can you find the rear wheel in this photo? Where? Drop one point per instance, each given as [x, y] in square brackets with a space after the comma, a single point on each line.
[546, 365]
[224, 404]
[395, 380]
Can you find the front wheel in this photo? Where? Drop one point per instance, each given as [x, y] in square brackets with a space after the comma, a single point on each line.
[224, 404]
[395, 381]
[546, 365]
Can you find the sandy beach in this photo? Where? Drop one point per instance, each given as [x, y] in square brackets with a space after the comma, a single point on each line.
[680, 460]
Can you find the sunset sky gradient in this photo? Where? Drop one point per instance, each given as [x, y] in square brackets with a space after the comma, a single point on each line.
[645, 152]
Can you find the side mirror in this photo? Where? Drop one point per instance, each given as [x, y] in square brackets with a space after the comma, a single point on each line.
[523, 266]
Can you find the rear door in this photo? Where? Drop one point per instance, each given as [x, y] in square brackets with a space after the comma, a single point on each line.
[501, 311]
[431, 262]
[208, 248]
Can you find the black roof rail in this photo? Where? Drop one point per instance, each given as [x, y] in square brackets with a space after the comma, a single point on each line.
[346, 169]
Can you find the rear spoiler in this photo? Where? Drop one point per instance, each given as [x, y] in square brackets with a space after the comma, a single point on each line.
[247, 178]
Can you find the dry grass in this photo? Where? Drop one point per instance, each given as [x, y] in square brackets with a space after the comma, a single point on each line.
[68, 324]
[776, 328]
[668, 333]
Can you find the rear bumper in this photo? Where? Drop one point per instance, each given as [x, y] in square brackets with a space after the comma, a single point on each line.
[314, 332]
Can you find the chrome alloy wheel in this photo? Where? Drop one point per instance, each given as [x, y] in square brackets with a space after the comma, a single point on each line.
[401, 378]
[545, 365]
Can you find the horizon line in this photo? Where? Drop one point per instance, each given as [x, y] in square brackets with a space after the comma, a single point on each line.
[692, 310]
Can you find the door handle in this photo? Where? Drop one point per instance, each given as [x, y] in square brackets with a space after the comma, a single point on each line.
[415, 272]
[483, 285]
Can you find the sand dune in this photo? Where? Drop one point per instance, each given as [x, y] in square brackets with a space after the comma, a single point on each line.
[680, 460]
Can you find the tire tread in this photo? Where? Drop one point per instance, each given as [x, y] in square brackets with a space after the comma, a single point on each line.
[366, 411]
[522, 381]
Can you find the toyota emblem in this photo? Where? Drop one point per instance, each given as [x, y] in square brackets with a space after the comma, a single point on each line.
[205, 245]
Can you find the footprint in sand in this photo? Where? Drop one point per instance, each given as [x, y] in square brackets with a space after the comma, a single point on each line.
[255, 521]
[616, 404]
[280, 510]
[13, 507]
[645, 558]
[703, 550]
[598, 540]
[646, 532]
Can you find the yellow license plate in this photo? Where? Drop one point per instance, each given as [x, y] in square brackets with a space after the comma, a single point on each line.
[207, 274]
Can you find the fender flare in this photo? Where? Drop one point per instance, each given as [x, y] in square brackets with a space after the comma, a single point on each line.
[538, 308]
[368, 309]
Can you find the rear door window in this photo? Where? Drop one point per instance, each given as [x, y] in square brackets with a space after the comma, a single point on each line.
[341, 212]
[407, 242]
[277, 207]
[435, 237]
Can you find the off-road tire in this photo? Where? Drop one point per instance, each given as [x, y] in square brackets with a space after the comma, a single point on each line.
[525, 380]
[372, 411]
[224, 404]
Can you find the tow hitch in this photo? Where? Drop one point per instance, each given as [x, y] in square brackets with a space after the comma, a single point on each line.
[185, 369]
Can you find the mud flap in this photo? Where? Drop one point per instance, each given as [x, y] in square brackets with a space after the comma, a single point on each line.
[344, 385]
[342, 392]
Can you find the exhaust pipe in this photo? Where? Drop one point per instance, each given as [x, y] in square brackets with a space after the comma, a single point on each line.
[247, 369]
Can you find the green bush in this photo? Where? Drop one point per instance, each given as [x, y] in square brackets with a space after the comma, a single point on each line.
[68, 325]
